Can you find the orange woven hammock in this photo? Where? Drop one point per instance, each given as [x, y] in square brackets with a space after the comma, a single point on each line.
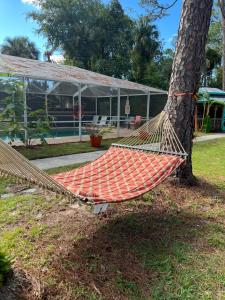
[127, 170]
[120, 174]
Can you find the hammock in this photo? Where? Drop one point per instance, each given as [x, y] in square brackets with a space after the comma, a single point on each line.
[127, 170]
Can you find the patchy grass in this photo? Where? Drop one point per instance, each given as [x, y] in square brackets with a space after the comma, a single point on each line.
[3, 184]
[169, 245]
[62, 149]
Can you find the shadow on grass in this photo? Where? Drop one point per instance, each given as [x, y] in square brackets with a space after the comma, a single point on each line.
[127, 255]
[203, 187]
[4, 268]
[210, 189]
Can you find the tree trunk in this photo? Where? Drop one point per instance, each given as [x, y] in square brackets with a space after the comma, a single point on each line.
[185, 77]
[223, 30]
[222, 9]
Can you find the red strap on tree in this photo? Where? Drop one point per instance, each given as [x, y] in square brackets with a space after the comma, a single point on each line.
[185, 94]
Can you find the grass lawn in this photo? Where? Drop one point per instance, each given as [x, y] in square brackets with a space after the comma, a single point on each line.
[168, 245]
[209, 161]
[62, 149]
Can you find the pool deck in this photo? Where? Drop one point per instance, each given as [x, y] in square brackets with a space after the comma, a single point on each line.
[54, 162]
[74, 139]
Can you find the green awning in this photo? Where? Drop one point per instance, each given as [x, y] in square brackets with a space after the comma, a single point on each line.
[214, 100]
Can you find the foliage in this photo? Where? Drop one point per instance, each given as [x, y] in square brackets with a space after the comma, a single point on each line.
[94, 130]
[92, 35]
[156, 8]
[206, 124]
[4, 267]
[11, 116]
[158, 72]
[212, 66]
[62, 22]
[38, 127]
[108, 42]
[20, 46]
[206, 121]
[115, 42]
[215, 36]
[146, 47]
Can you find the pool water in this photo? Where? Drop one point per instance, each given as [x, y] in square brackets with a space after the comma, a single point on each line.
[54, 133]
[62, 132]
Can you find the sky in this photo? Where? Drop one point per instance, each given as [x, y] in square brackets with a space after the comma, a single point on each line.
[13, 21]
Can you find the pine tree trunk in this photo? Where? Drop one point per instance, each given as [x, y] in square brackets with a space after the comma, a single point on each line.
[223, 30]
[185, 77]
[222, 9]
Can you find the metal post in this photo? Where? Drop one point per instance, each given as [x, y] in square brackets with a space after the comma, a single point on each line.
[80, 121]
[73, 112]
[96, 106]
[148, 105]
[118, 113]
[110, 109]
[25, 107]
[46, 104]
[223, 120]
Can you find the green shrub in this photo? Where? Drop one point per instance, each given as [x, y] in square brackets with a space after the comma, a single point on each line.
[4, 267]
[207, 124]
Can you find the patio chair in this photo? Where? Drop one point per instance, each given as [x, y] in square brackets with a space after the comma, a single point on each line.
[92, 123]
[113, 120]
[95, 120]
[135, 122]
[103, 121]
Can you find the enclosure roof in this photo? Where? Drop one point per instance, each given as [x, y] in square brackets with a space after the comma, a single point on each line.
[22, 67]
[211, 91]
[215, 100]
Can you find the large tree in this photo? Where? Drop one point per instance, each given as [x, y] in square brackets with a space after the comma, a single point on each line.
[91, 34]
[70, 25]
[186, 70]
[212, 65]
[115, 42]
[158, 71]
[146, 47]
[222, 9]
[20, 46]
[185, 78]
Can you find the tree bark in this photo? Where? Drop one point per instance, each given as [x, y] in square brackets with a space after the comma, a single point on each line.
[222, 9]
[185, 77]
[223, 30]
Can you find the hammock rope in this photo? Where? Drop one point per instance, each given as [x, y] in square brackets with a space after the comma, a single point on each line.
[130, 168]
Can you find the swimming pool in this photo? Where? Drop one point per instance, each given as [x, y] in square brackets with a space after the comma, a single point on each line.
[53, 133]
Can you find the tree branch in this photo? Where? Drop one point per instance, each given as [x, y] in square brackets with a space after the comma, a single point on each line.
[222, 7]
[166, 7]
[157, 10]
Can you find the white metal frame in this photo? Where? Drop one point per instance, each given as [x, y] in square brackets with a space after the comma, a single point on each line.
[82, 88]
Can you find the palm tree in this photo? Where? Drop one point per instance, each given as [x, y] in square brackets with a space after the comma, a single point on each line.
[146, 47]
[20, 46]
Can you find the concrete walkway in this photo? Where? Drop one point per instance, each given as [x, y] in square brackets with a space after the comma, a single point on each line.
[209, 137]
[61, 161]
[66, 160]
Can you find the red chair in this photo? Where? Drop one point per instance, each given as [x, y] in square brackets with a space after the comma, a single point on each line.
[136, 122]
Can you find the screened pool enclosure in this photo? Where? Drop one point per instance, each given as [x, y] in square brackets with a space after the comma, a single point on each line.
[74, 97]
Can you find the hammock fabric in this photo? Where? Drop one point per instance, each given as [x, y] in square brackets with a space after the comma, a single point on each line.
[127, 170]
[118, 175]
